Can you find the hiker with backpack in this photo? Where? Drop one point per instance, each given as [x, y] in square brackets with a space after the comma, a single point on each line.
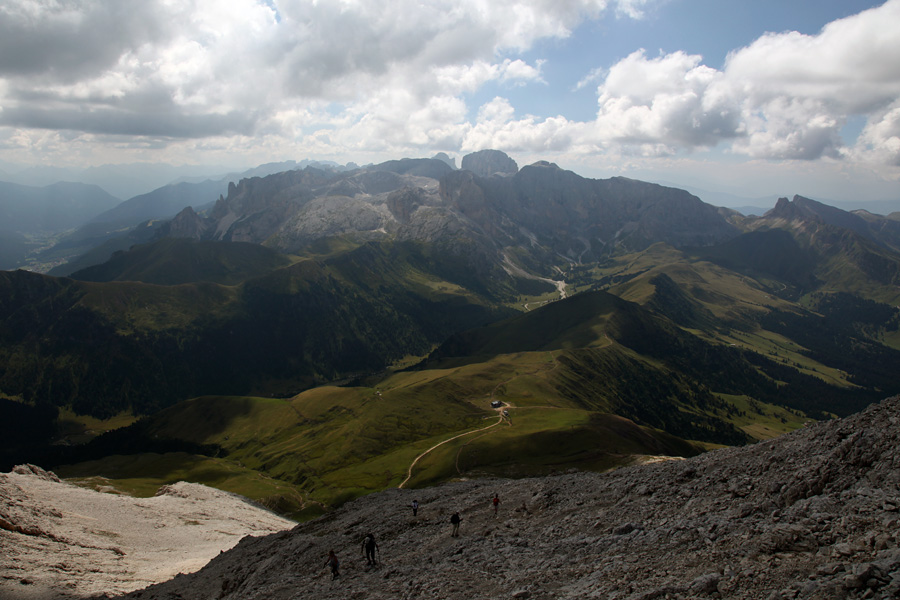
[496, 503]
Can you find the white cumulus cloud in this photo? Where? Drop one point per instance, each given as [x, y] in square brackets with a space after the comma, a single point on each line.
[195, 68]
[785, 96]
[671, 100]
[355, 77]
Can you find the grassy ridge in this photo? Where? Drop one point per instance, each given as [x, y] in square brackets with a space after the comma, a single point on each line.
[332, 444]
[174, 261]
[322, 457]
[103, 348]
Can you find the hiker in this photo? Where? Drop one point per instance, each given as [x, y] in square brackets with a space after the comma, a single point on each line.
[496, 503]
[334, 563]
[370, 546]
[454, 520]
[415, 507]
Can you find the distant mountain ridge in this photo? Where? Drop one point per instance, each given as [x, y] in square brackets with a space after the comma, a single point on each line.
[121, 180]
[537, 218]
[162, 203]
[28, 214]
[855, 247]
[884, 230]
[134, 221]
[51, 208]
[530, 216]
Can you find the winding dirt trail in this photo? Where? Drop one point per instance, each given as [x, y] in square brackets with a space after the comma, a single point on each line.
[439, 444]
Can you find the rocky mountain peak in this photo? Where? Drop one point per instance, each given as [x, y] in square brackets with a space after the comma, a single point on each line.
[834, 216]
[186, 224]
[544, 164]
[785, 209]
[485, 163]
[805, 212]
[445, 158]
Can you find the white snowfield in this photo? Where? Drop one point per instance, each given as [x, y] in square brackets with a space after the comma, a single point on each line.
[58, 540]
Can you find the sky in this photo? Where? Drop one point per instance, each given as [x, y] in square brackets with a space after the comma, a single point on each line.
[750, 97]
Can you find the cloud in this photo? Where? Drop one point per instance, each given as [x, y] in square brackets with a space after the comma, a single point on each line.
[115, 122]
[632, 8]
[354, 76]
[95, 64]
[593, 76]
[853, 63]
[785, 96]
[497, 127]
[61, 40]
[670, 100]
[790, 128]
[519, 72]
[879, 141]
[459, 79]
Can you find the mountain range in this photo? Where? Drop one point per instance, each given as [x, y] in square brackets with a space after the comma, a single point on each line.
[327, 327]
[66, 226]
[27, 214]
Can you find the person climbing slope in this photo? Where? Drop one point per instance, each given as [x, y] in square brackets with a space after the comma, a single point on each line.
[455, 520]
[334, 563]
[370, 546]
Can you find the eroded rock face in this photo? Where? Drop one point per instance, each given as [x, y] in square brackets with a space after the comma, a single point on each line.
[813, 514]
[485, 163]
[186, 224]
[60, 541]
[582, 219]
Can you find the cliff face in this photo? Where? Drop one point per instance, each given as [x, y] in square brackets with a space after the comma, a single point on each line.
[426, 200]
[485, 163]
[186, 224]
[584, 219]
[813, 514]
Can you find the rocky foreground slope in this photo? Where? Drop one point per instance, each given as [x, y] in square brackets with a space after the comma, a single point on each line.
[59, 541]
[813, 514]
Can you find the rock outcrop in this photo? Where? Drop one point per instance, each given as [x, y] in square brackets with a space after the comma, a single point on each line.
[485, 163]
[813, 514]
[59, 541]
[541, 210]
[445, 158]
[186, 224]
[804, 213]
